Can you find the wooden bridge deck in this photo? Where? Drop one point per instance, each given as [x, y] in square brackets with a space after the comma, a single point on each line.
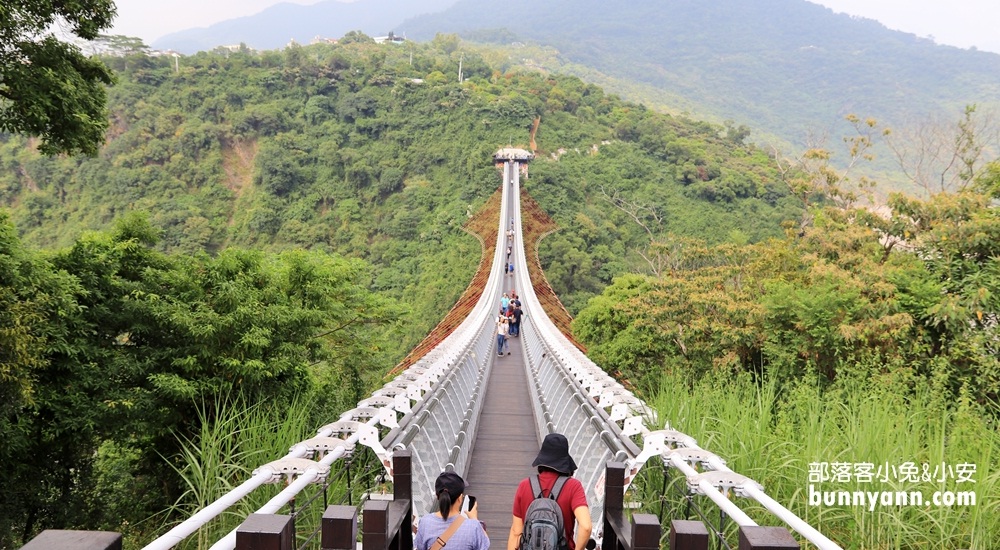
[505, 446]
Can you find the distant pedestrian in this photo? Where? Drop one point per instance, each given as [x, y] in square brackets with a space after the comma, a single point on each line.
[515, 321]
[503, 329]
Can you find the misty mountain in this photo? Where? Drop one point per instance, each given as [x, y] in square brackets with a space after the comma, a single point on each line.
[277, 25]
[789, 68]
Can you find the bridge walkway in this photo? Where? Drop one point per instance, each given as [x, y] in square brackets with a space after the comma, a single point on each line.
[505, 445]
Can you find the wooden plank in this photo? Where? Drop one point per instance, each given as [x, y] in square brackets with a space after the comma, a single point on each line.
[505, 445]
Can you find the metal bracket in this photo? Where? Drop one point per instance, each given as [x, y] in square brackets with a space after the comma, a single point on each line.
[342, 428]
[367, 436]
[723, 480]
[376, 401]
[291, 467]
[633, 425]
[361, 414]
[320, 446]
[386, 416]
[693, 455]
[619, 411]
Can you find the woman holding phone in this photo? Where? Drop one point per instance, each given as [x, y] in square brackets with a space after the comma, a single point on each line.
[448, 524]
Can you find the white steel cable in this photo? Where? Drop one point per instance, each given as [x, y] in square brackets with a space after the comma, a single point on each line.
[229, 541]
[180, 532]
[187, 527]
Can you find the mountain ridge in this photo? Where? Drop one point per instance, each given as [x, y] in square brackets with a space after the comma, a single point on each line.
[329, 19]
[744, 62]
[788, 69]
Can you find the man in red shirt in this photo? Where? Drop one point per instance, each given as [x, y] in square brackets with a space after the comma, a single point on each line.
[553, 461]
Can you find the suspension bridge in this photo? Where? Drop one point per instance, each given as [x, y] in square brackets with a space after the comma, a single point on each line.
[462, 407]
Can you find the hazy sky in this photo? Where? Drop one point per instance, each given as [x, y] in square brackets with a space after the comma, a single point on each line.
[962, 23]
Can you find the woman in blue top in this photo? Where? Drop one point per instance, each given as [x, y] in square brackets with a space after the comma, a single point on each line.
[450, 491]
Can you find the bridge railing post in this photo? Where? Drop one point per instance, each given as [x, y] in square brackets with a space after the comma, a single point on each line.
[646, 532]
[688, 535]
[75, 540]
[388, 524]
[641, 532]
[766, 538]
[266, 532]
[339, 528]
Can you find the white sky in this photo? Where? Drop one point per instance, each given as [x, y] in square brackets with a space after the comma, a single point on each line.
[962, 23]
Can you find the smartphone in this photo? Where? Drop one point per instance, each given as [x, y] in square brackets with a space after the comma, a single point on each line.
[470, 502]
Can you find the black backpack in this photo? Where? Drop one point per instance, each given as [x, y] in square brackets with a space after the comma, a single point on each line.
[543, 521]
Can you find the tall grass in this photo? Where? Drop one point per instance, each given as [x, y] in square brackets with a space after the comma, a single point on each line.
[234, 439]
[772, 434]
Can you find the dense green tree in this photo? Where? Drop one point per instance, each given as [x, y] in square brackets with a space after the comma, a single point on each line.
[48, 88]
[110, 347]
[910, 293]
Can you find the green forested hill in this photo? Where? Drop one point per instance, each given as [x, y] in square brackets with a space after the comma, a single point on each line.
[151, 294]
[379, 152]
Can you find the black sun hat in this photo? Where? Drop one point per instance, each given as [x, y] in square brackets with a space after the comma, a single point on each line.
[555, 454]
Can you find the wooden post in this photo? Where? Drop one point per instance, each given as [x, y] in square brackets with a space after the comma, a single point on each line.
[688, 535]
[766, 538]
[402, 492]
[402, 475]
[646, 532]
[617, 529]
[614, 486]
[75, 540]
[266, 532]
[389, 524]
[375, 534]
[340, 528]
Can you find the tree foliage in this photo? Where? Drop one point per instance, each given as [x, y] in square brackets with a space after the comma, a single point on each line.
[48, 88]
[111, 346]
[910, 292]
[377, 152]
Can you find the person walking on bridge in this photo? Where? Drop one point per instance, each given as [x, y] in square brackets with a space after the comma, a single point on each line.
[554, 464]
[502, 331]
[448, 526]
[515, 319]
